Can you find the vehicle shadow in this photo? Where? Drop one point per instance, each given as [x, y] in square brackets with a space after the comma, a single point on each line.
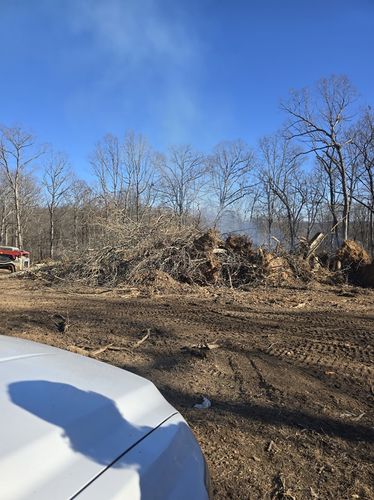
[80, 414]
[93, 426]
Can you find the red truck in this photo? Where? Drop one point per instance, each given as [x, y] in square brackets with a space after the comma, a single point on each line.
[14, 259]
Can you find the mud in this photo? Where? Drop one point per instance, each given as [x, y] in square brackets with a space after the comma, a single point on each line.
[291, 383]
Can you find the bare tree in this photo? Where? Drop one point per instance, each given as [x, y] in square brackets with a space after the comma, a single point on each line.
[363, 143]
[140, 175]
[6, 210]
[315, 192]
[180, 174]
[330, 174]
[30, 198]
[56, 181]
[320, 121]
[230, 166]
[268, 203]
[108, 168]
[17, 155]
[284, 177]
[79, 199]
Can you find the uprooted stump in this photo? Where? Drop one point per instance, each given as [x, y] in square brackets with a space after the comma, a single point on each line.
[350, 264]
[240, 245]
[207, 242]
[352, 256]
[279, 269]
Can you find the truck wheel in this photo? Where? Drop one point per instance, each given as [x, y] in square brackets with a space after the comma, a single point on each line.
[12, 269]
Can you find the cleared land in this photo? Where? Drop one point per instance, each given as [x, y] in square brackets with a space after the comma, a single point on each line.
[291, 383]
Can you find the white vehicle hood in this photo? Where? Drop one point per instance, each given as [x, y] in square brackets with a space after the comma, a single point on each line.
[65, 418]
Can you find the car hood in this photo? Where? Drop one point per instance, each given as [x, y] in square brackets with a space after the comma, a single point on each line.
[66, 418]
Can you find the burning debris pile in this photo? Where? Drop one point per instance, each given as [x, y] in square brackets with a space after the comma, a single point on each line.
[189, 256]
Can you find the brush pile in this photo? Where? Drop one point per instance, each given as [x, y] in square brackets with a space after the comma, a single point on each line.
[184, 255]
[168, 256]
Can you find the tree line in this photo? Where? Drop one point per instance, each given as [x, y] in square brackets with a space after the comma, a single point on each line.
[314, 174]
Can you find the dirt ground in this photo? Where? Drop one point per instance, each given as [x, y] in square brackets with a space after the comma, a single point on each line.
[291, 383]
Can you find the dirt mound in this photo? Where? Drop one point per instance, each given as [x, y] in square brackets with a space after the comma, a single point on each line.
[352, 256]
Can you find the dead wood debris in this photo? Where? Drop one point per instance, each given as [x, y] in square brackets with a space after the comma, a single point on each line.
[165, 258]
[101, 350]
[143, 339]
[200, 350]
[280, 491]
[205, 345]
[87, 351]
[61, 322]
[271, 446]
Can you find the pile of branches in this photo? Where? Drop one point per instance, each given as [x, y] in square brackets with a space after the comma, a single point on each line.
[135, 247]
[185, 254]
[163, 250]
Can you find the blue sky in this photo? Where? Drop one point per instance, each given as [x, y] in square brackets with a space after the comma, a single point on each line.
[182, 71]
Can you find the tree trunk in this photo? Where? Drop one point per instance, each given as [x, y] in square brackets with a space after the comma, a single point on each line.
[51, 234]
[346, 197]
[75, 229]
[2, 231]
[19, 239]
[371, 232]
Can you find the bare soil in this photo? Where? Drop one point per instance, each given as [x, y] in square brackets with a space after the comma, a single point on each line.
[291, 383]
